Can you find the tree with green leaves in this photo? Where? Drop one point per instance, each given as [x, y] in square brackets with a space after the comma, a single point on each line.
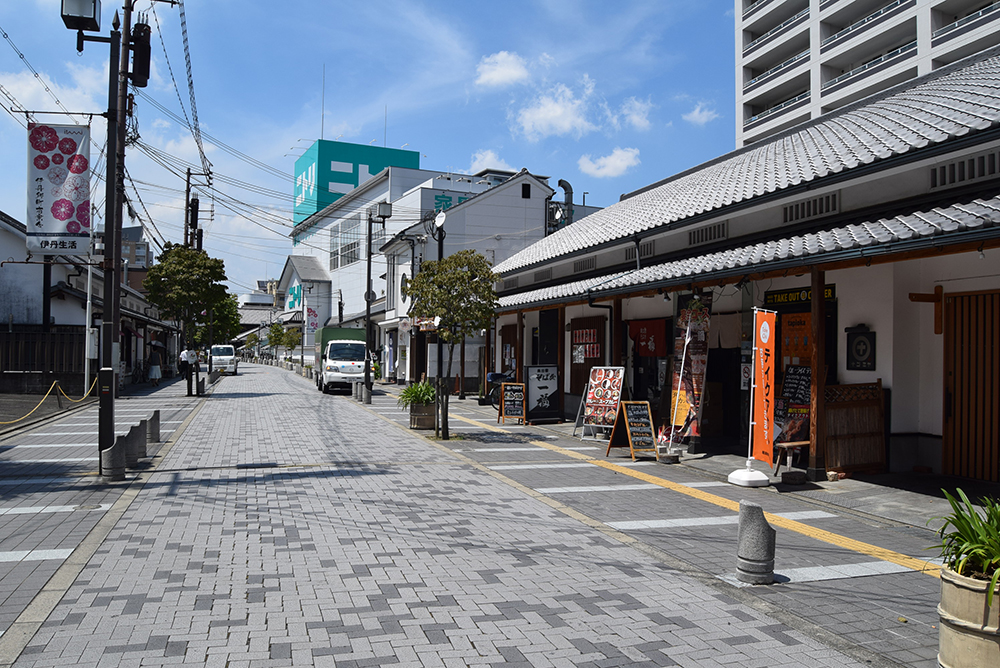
[291, 340]
[252, 342]
[184, 284]
[276, 336]
[458, 291]
[225, 318]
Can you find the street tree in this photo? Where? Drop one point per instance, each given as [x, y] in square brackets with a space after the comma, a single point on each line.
[252, 342]
[184, 283]
[291, 340]
[225, 320]
[276, 337]
[458, 292]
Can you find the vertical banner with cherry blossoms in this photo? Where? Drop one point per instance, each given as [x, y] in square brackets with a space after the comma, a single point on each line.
[58, 189]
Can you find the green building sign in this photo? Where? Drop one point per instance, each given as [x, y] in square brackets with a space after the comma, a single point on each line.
[328, 170]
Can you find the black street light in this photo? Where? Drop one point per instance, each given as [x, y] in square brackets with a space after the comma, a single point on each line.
[439, 234]
[83, 15]
[382, 210]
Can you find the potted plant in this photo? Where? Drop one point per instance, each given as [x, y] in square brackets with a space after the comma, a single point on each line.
[419, 398]
[970, 608]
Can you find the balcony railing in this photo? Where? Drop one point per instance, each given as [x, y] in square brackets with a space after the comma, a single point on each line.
[775, 109]
[863, 22]
[755, 6]
[965, 20]
[778, 28]
[871, 63]
[788, 63]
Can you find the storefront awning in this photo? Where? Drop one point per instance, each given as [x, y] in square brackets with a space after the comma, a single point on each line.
[977, 222]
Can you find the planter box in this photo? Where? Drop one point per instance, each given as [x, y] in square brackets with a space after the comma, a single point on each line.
[422, 417]
[969, 635]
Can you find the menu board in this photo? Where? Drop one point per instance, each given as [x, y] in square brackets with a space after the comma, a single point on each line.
[633, 428]
[604, 393]
[512, 401]
[542, 387]
[797, 384]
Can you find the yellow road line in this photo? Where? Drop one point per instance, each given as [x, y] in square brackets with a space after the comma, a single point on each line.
[858, 546]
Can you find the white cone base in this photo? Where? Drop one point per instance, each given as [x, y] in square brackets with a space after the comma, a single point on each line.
[749, 478]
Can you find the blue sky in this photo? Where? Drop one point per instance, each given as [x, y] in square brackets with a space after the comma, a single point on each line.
[610, 96]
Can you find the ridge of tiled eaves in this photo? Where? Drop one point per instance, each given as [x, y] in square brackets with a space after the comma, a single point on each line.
[937, 222]
[948, 103]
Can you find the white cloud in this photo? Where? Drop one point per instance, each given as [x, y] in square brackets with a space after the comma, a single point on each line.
[700, 115]
[501, 69]
[559, 113]
[636, 113]
[609, 166]
[487, 159]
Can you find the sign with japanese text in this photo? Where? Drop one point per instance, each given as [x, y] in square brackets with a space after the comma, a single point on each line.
[511, 402]
[604, 392]
[764, 387]
[650, 337]
[543, 391]
[633, 428]
[58, 219]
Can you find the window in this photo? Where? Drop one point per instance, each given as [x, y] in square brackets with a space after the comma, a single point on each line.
[390, 282]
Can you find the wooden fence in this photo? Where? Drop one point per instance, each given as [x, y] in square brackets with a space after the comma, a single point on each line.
[38, 352]
[855, 431]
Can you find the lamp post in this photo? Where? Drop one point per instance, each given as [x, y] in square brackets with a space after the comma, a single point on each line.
[439, 234]
[382, 210]
[83, 15]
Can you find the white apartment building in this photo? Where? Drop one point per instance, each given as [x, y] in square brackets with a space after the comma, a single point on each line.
[799, 59]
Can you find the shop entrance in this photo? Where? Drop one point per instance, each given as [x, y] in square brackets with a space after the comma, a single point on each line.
[971, 438]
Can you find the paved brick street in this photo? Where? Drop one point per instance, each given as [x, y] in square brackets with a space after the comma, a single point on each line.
[279, 526]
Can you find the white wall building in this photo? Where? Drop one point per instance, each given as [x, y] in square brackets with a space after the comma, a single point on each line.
[799, 59]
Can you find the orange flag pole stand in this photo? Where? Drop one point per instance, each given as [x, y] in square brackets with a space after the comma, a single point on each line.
[760, 442]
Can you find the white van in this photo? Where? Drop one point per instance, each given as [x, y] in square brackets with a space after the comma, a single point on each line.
[224, 359]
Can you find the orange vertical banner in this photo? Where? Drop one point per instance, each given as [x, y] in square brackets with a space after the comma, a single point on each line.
[764, 386]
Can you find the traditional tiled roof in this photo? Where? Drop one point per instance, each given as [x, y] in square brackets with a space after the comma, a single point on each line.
[896, 234]
[950, 102]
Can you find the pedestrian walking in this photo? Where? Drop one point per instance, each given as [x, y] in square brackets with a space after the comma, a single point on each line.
[154, 362]
[184, 362]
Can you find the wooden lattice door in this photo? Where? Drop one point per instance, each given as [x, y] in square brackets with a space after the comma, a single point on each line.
[971, 424]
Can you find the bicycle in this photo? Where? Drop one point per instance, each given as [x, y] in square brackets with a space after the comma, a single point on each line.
[139, 372]
[496, 380]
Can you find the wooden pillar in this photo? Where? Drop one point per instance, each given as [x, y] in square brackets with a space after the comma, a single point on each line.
[563, 368]
[616, 333]
[817, 409]
[519, 352]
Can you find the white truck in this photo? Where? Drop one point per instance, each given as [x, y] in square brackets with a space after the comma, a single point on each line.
[340, 357]
[224, 359]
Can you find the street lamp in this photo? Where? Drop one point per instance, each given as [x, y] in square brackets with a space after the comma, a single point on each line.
[382, 210]
[439, 234]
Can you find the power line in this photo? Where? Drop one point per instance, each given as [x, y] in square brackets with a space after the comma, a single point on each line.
[206, 166]
[38, 76]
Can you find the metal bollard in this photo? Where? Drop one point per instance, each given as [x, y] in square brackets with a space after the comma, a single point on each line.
[141, 438]
[131, 448]
[755, 551]
[354, 391]
[153, 435]
[366, 394]
[113, 461]
[201, 387]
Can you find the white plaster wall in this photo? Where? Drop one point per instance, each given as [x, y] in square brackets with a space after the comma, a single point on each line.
[865, 296]
[907, 349]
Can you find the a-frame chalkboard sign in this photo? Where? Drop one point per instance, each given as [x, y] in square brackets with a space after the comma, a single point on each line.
[633, 428]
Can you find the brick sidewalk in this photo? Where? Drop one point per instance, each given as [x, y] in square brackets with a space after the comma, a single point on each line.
[286, 527]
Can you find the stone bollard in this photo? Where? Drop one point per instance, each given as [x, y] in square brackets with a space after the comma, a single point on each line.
[141, 437]
[113, 461]
[366, 394]
[153, 435]
[755, 551]
[131, 448]
[201, 387]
